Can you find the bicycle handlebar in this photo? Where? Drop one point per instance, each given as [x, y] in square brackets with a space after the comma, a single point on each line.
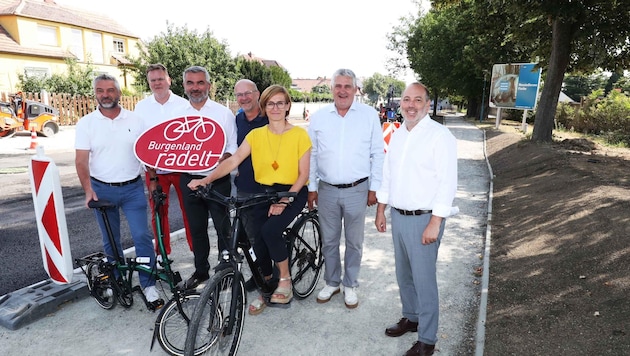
[205, 192]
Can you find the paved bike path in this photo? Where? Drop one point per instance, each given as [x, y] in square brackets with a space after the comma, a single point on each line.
[307, 328]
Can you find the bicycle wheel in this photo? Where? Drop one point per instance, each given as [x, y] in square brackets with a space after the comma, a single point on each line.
[305, 255]
[100, 286]
[172, 326]
[217, 322]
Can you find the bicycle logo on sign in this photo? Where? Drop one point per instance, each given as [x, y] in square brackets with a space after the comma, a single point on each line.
[202, 130]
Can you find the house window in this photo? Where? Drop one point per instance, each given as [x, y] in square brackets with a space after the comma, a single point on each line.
[76, 44]
[38, 72]
[96, 48]
[47, 35]
[119, 45]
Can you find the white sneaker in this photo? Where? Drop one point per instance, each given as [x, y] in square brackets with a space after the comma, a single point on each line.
[151, 294]
[350, 297]
[326, 293]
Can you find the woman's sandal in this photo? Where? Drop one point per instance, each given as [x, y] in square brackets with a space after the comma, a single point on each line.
[285, 292]
[257, 306]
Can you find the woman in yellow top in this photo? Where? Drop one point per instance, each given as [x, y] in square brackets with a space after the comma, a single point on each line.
[281, 156]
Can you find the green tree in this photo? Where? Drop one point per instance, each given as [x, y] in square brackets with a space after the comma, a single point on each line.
[76, 80]
[454, 45]
[179, 48]
[377, 86]
[568, 36]
[256, 72]
[577, 86]
[624, 84]
[281, 76]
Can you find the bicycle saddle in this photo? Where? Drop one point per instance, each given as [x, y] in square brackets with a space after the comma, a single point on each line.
[96, 204]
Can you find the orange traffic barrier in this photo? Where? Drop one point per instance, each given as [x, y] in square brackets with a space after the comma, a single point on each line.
[33, 138]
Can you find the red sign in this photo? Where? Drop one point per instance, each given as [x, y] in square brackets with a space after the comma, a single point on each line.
[183, 144]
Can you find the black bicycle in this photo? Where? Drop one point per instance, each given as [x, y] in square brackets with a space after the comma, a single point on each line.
[217, 322]
[110, 280]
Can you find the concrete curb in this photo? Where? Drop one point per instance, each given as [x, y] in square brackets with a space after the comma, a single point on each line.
[485, 279]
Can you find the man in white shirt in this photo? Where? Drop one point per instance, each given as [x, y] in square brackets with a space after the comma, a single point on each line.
[346, 169]
[154, 110]
[197, 87]
[108, 170]
[419, 183]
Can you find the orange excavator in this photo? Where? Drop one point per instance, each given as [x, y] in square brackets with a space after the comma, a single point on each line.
[20, 114]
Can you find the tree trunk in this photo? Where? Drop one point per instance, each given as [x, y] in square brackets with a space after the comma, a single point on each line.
[562, 35]
[473, 107]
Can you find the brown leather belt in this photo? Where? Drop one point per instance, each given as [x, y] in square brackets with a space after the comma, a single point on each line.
[413, 212]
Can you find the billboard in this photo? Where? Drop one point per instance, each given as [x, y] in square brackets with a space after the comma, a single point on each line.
[514, 86]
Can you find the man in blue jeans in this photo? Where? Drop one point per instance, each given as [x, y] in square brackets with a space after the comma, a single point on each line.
[108, 170]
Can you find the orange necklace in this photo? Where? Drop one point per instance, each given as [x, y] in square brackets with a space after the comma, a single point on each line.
[275, 164]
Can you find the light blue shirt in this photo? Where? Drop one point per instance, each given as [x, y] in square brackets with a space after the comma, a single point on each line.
[346, 148]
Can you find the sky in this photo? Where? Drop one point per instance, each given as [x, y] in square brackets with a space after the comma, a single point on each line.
[309, 39]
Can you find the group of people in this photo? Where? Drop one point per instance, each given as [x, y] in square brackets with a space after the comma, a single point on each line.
[338, 165]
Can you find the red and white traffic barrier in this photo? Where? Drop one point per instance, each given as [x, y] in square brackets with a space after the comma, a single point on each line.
[50, 217]
[388, 130]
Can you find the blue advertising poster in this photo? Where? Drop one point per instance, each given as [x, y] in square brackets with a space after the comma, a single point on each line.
[514, 86]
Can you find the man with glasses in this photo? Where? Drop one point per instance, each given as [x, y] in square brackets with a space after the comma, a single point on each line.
[154, 110]
[249, 118]
[346, 169]
[197, 87]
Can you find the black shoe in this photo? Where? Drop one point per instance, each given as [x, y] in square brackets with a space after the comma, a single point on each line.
[250, 285]
[193, 281]
[402, 327]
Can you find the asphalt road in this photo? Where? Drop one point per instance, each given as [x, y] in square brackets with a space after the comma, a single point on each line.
[20, 255]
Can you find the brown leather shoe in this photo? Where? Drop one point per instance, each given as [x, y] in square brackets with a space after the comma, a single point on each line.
[420, 349]
[401, 328]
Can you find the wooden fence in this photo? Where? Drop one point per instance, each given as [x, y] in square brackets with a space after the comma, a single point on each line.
[73, 107]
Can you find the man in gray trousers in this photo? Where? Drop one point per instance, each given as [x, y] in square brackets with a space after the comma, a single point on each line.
[346, 169]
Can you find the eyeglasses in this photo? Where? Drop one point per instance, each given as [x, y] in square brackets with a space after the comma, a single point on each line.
[280, 105]
[247, 93]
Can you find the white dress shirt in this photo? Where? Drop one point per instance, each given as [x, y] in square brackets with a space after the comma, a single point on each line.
[420, 169]
[153, 113]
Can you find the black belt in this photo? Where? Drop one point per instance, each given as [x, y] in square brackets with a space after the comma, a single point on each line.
[349, 185]
[118, 184]
[413, 212]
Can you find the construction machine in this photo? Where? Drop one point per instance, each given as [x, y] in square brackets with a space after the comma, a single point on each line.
[20, 114]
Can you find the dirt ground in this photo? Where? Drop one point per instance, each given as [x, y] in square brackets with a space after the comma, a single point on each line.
[560, 254]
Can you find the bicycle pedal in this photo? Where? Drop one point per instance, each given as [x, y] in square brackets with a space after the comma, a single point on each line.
[155, 305]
